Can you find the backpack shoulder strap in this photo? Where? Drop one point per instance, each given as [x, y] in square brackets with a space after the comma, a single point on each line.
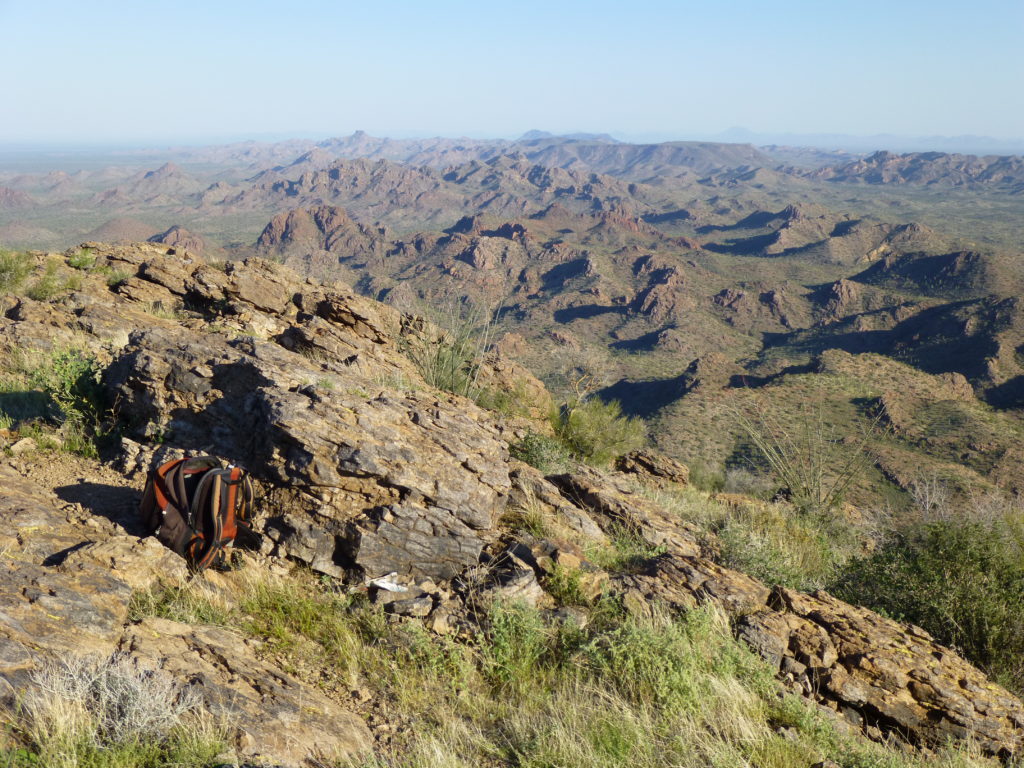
[220, 508]
[207, 520]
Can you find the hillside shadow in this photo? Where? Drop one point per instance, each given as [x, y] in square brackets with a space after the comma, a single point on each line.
[742, 246]
[119, 504]
[585, 311]
[1009, 394]
[556, 277]
[669, 217]
[644, 343]
[24, 405]
[752, 381]
[756, 220]
[854, 342]
[643, 398]
[843, 228]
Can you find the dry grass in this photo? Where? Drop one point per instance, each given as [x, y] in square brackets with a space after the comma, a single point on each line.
[89, 712]
[771, 541]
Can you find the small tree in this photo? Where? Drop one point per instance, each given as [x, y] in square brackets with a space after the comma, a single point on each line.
[598, 432]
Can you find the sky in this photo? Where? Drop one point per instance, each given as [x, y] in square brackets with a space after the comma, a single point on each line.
[138, 73]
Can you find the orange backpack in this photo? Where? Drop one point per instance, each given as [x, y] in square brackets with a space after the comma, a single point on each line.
[197, 507]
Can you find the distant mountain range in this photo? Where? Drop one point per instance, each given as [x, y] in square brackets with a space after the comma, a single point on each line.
[684, 277]
[981, 145]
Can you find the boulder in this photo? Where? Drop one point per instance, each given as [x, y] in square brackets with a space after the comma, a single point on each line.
[654, 466]
[616, 508]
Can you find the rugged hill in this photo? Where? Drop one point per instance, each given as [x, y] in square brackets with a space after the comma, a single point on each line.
[721, 269]
[12, 199]
[932, 168]
[585, 152]
[180, 238]
[404, 197]
[433, 549]
[591, 268]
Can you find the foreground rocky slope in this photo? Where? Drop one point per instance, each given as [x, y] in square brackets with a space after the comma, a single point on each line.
[69, 573]
[367, 473]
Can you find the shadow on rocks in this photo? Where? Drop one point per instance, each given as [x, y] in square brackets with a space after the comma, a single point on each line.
[116, 503]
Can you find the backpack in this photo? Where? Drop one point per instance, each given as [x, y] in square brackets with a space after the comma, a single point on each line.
[197, 507]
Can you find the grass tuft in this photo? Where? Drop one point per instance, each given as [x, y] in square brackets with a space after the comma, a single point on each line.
[14, 269]
[109, 713]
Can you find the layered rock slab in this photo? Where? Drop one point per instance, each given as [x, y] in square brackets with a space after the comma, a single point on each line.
[273, 716]
[893, 676]
[400, 481]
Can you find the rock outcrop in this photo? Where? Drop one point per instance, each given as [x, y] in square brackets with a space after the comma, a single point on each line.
[362, 477]
[275, 716]
[881, 676]
[181, 239]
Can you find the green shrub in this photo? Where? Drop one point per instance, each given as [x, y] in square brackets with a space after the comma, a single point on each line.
[62, 388]
[449, 363]
[114, 277]
[542, 452]
[14, 269]
[71, 378]
[565, 586]
[597, 432]
[82, 259]
[516, 643]
[672, 663]
[960, 579]
[51, 284]
[706, 477]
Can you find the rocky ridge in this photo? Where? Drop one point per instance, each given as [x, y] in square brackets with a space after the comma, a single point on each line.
[366, 472]
[931, 168]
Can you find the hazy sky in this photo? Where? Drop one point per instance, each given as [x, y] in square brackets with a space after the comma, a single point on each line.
[82, 72]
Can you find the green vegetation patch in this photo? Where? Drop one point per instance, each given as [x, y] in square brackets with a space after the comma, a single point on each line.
[776, 543]
[60, 388]
[526, 690]
[14, 269]
[960, 577]
[544, 452]
[598, 432]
